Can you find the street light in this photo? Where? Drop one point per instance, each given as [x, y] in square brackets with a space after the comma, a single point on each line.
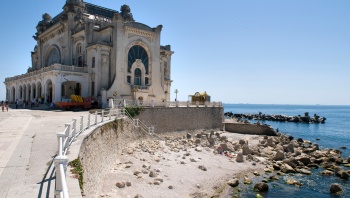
[176, 91]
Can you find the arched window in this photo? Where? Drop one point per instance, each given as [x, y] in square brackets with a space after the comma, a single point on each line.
[79, 49]
[128, 79]
[54, 56]
[137, 52]
[137, 77]
[80, 61]
[93, 62]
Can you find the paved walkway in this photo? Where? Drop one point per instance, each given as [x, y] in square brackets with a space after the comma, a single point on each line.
[28, 142]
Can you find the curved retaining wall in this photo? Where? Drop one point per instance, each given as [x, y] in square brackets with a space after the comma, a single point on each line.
[251, 129]
[182, 118]
[99, 151]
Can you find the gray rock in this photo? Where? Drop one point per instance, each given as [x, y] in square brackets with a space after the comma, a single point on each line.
[287, 169]
[345, 175]
[120, 184]
[233, 182]
[246, 150]
[279, 156]
[136, 172]
[203, 168]
[335, 188]
[188, 136]
[261, 186]
[211, 141]
[239, 157]
[198, 149]
[129, 151]
[241, 142]
[170, 187]
[152, 174]
[270, 142]
[128, 183]
[224, 147]
[138, 196]
[304, 171]
[326, 172]
[289, 148]
[304, 160]
[338, 170]
[197, 141]
[156, 182]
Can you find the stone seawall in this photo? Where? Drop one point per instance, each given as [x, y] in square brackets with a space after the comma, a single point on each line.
[99, 151]
[182, 118]
[251, 129]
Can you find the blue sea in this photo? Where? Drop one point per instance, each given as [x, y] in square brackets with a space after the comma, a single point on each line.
[333, 134]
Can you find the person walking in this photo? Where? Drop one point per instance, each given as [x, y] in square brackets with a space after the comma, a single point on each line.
[2, 106]
[7, 105]
[16, 103]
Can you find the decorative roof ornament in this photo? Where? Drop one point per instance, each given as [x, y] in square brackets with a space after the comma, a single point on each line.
[79, 2]
[44, 24]
[125, 12]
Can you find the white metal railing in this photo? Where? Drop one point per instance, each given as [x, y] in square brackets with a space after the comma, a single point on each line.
[143, 103]
[71, 131]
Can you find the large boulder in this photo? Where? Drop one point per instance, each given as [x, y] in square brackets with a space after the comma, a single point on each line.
[345, 175]
[279, 156]
[304, 159]
[261, 186]
[239, 157]
[289, 148]
[285, 168]
[233, 182]
[335, 189]
[270, 142]
[246, 150]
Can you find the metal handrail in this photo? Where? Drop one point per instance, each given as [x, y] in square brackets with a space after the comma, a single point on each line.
[63, 182]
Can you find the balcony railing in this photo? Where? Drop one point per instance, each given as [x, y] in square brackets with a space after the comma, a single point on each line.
[57, 67]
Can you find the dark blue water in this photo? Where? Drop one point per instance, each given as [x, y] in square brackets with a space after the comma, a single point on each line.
[333, 134]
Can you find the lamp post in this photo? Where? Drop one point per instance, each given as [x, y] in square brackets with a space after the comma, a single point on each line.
[176, 91]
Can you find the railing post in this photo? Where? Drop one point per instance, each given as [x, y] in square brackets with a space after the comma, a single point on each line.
[95, 117]
[206, 103]
[102, 115]
[137, 103]
[177, 103]
[197, 103]
[60, 144]
[152, 103]
[57, 161]
[214, 103]
[88, 121]
[111, 103]
[67, 136]
[188, 103]
[81, 123]
[74, 128]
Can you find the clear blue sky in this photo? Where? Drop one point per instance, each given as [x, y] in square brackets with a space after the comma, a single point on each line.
[239, 51]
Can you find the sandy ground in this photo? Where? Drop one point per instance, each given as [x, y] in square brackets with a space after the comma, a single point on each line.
[177, 167]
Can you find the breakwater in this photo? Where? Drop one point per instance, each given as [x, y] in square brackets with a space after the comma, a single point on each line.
[280, 118]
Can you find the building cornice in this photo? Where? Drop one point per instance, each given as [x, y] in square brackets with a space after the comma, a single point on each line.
[137, 32]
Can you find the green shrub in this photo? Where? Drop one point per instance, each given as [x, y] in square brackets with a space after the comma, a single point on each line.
[133, 111]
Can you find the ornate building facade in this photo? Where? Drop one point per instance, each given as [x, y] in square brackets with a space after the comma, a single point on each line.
[95, 52]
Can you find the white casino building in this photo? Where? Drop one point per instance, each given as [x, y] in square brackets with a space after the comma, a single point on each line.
[95, 52]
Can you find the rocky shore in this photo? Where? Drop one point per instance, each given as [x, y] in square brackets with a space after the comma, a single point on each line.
[279, 118]
[214, 163]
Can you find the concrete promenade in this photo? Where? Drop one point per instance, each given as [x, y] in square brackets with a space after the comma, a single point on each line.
[28, 142]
